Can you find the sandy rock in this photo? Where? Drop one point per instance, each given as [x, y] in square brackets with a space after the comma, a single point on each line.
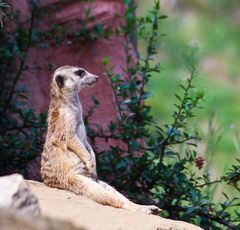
[15, 196]
[10, 221]
[85, 213]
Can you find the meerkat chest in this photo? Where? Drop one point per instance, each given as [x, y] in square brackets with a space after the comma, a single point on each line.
[81, 132]
[73, 114]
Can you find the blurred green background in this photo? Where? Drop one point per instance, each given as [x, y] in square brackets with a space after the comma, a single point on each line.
[214, 27]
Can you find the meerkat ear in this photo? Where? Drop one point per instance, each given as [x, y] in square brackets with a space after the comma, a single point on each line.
[60, 81]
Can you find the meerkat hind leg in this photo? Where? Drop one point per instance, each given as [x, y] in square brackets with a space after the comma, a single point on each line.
[127, 204]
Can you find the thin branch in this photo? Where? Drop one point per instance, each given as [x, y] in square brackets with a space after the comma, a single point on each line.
[147, 59]
[218, 219]
[209, 216]
[174, 125]
[23, 60]
[208, 183]
[109, 74]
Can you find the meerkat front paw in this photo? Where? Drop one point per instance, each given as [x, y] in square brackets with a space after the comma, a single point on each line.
[93, 175]
[92, 172]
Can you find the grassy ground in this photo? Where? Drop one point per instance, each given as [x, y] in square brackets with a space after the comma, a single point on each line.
[215, 28]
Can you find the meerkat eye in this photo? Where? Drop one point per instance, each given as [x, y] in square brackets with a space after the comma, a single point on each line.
[80, 73]
[60, 81]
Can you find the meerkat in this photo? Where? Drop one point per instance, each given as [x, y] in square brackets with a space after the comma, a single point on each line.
[68, 161]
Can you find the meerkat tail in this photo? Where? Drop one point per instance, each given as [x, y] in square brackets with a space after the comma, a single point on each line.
[82, 185]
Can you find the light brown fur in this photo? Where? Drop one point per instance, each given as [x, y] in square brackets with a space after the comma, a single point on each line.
[68, 161]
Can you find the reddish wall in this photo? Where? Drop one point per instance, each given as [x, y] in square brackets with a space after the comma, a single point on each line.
[87, 54]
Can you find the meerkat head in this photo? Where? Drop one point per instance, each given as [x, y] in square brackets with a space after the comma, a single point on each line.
[73, 79]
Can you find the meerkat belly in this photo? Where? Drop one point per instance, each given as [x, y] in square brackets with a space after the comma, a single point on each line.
[56, 169]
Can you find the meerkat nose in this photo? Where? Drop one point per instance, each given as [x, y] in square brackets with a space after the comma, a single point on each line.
[96, 77]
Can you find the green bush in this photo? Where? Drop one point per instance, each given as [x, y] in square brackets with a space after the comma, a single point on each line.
[158, 164]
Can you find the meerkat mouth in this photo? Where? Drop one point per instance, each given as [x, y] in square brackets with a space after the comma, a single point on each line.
[91, 83]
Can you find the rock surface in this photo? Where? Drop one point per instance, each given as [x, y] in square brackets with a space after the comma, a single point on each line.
[85, 213]
[10, 221]
[16, 196]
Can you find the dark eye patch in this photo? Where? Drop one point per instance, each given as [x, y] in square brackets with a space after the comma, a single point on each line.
[60, 81]
[80, 73]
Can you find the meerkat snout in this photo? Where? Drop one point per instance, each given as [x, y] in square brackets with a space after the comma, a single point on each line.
[88, 80]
